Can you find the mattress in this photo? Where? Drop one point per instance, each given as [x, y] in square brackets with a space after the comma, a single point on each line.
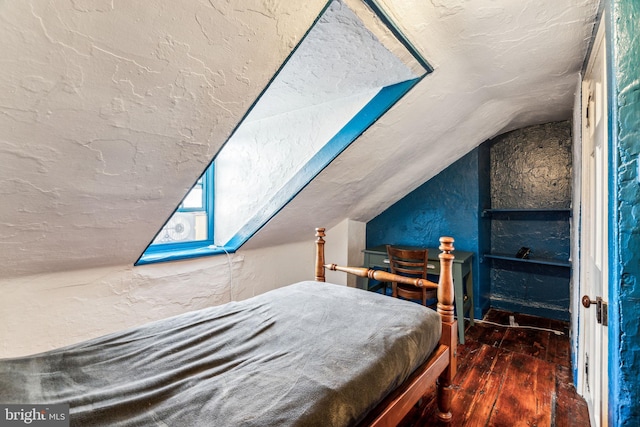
[307, 354]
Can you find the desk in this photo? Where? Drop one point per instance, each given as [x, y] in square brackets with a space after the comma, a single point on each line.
[376, 258]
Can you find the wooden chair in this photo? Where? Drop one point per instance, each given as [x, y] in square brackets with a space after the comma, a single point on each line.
[409, 263]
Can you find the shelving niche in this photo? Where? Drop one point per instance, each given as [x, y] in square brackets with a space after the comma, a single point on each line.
[540, 214]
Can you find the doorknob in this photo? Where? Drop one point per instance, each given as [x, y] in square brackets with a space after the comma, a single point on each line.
[586, 301]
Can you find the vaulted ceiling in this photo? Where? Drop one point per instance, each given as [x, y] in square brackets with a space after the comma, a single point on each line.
[110, 110]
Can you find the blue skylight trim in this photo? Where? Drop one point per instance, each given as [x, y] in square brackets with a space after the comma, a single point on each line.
[184, 252]
[368, 115]
[371, 112]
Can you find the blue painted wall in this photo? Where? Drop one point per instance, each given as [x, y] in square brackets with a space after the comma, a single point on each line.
[623, 37]
[531, 169]
[528, 168]
[447, 205]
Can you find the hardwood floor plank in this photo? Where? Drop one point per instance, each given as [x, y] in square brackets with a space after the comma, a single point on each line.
[545, 393]
[487, 393]
[526, 341]
[510, 377]
[514, 405]
[486, 333]
[468, 396]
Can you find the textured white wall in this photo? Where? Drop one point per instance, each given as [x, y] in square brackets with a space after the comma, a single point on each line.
[46, 311]
[111, 110]
[345, 243]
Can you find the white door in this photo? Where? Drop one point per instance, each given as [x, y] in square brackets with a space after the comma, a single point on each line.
[592, 368]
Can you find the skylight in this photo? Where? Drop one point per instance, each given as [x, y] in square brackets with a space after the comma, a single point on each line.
[348, 71]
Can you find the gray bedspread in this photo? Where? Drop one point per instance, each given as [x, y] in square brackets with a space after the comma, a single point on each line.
[308, 354]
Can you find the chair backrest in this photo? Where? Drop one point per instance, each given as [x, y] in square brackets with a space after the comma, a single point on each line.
[408, 262]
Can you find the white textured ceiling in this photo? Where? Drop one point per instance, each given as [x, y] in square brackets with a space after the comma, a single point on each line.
[109, 110]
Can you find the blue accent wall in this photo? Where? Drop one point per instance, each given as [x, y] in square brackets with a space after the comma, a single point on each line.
[447, 205]
[528, 168]
[531, 170]
[623, 37]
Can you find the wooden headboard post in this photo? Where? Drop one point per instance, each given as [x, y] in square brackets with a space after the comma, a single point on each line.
[448, 338]
[445, 285]
[449, 335]
[320, 255]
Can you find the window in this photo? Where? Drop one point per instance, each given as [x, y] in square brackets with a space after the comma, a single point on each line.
[190, 222]
[338, 81]
[189, 231]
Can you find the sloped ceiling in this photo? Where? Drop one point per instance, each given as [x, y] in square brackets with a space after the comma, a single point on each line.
[109, 110]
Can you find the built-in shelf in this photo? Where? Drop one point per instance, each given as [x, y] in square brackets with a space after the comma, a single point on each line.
[490, 212]
[529, 214]
[539, 261]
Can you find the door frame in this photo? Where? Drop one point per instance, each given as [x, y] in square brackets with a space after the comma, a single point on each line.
[594, 339]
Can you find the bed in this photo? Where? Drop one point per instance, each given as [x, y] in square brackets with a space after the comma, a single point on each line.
[306, 354]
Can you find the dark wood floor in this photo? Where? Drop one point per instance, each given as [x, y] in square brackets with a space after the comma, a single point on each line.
[510, 376]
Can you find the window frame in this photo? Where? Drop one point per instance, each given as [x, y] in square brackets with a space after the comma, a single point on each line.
[159, 252]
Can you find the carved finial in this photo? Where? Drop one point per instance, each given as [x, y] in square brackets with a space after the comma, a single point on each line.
[320, 254]
[446, 244]
[445, 284]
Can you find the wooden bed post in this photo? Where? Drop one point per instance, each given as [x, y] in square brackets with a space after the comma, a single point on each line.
[320, 255]
[449, 327]
[442, 362]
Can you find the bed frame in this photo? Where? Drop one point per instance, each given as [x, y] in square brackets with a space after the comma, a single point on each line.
[440, 368]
